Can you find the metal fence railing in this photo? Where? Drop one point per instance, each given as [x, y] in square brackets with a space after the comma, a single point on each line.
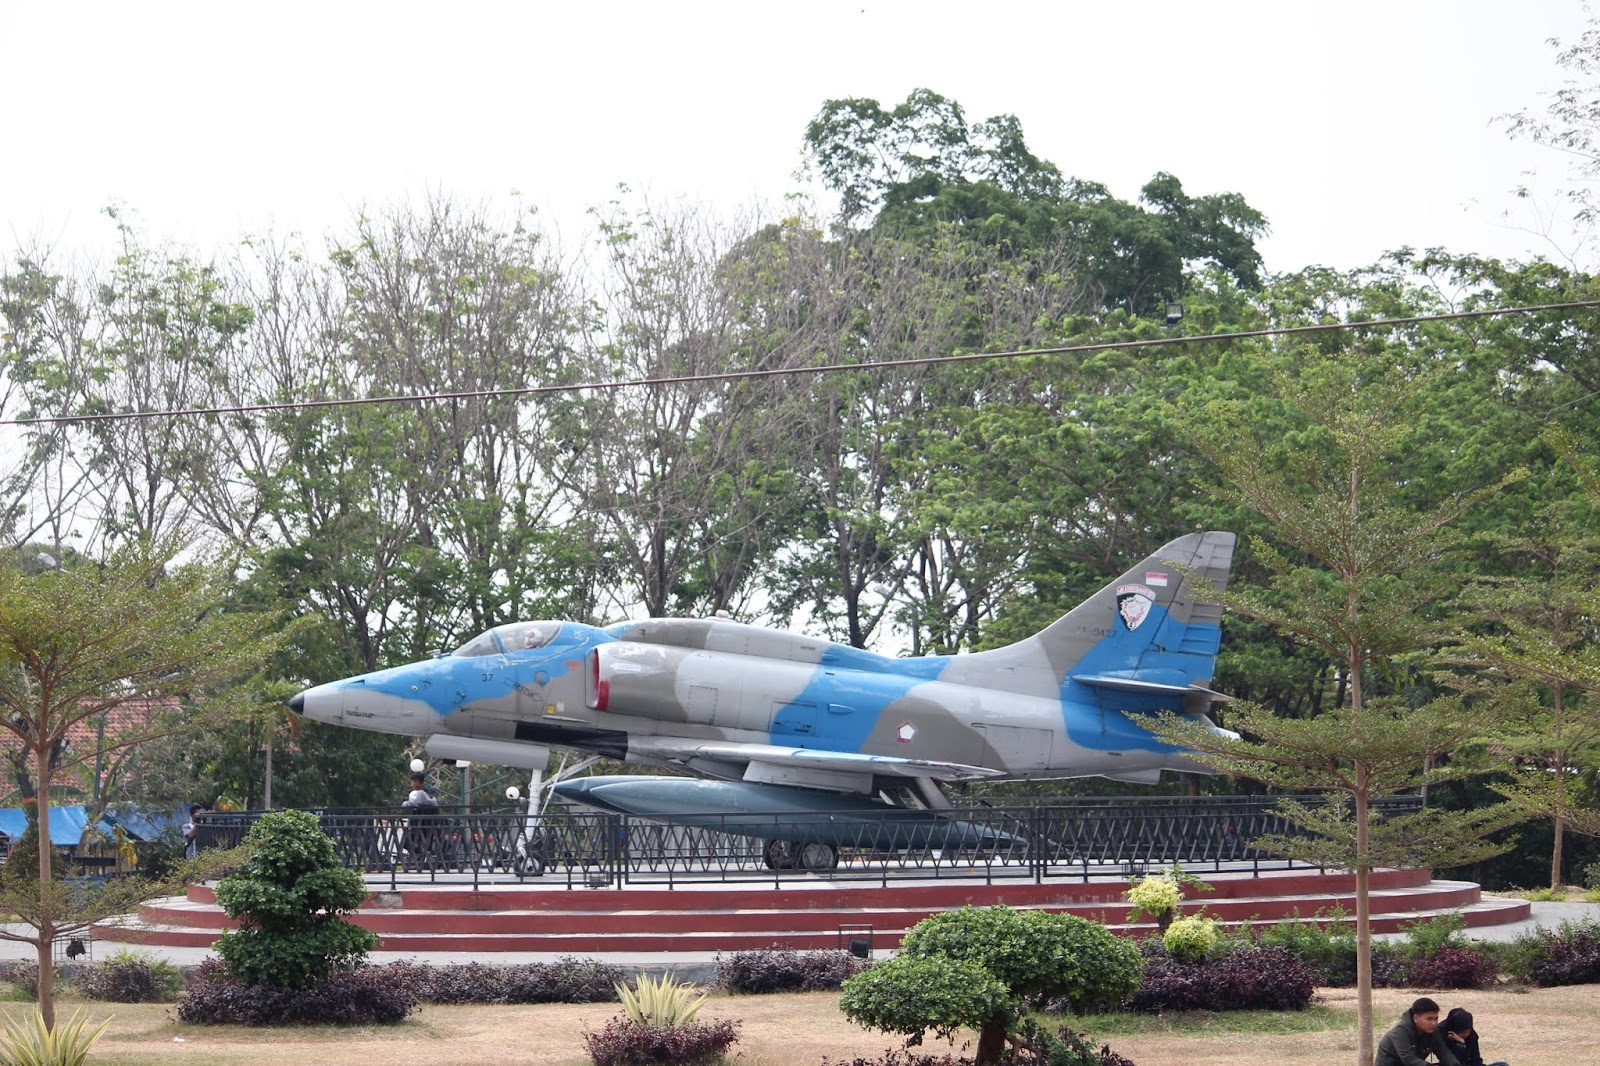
[1032, 840]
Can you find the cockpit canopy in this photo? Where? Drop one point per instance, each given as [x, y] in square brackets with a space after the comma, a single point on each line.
[511, 637]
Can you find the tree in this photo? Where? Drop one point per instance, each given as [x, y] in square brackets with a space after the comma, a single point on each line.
[874, 157]
[77, 641]
[920, 165]
[1354, 571]
[290, 901]
[1570, 124]
[691, 477]
[1535, 659]
[979, 967]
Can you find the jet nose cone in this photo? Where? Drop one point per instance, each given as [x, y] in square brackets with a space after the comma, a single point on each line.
[297, 703]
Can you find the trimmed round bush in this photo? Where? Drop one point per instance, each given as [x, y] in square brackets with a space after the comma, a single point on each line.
[290, 900]
[1035, 954]
[1191, 939]
[912, 993]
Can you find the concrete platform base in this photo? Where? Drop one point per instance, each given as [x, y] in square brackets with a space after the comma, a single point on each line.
[809, 913]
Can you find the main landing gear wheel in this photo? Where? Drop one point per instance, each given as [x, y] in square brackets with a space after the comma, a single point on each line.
[818, 857]
[778, 855]
[787, 855]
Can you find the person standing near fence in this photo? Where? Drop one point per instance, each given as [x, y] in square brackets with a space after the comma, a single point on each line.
[191, 831]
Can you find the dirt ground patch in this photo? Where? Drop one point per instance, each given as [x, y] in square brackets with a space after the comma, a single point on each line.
[1548, 1026]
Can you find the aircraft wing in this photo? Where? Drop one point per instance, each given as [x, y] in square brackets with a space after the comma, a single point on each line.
[686, 751]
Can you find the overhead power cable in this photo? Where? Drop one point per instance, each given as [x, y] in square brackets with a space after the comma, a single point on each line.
[789, 371]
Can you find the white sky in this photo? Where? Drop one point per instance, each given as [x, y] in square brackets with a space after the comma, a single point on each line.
[1356, 127]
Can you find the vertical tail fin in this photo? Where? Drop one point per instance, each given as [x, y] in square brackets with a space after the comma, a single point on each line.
[1147, 631]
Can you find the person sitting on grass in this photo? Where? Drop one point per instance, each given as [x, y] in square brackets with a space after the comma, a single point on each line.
[1463, 1038]
[1414, 1038]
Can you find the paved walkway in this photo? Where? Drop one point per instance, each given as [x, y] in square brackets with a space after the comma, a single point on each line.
[1543, 916]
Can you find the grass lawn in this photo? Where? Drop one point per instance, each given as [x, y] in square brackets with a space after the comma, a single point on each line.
[1548, 1026]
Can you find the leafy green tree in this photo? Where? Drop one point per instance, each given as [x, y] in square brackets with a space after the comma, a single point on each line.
[872, 156]
[1354, 572]
[139, 625]
[978, 968]
[1535, 659]
[290, 900]
[920, 165]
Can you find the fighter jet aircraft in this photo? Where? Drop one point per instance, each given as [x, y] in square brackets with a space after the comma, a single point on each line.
[781, 722]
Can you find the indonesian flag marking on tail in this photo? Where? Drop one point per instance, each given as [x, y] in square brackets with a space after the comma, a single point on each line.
[1153, 578]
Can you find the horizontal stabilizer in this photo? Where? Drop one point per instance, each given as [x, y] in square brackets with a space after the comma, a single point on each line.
[1134, 684]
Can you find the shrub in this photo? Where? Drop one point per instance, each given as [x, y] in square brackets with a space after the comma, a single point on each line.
[1190, 939]
[785, 970]
[25, 976]
[1155, 896]
[1248, 978]
[1543, 895]
[1591, 875]
[1389, 967]
[1427, 938]
[372, 995]
[290, 900]
[1569, 955]
[660, 1001]
[910, 994]
[1329, 949]
[1036, 954]
[131, 977]
[1455, 968]
[976, 967]
[567, 980]
[625, 1043]
[31, 1042]
[1519, 957]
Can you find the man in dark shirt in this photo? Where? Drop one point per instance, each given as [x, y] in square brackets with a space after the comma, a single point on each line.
[1414, 1038]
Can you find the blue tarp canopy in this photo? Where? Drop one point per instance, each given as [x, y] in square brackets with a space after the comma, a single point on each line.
[66, 824]
[147, 824]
